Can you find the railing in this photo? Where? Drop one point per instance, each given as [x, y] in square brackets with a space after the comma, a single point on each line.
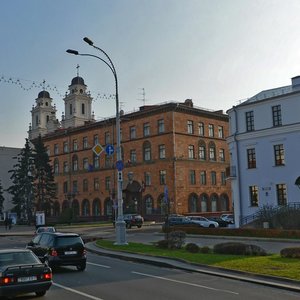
[247, 219]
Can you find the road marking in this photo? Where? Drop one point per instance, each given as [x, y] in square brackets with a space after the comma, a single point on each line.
[98, 265]
[187, 283]
[76, 292]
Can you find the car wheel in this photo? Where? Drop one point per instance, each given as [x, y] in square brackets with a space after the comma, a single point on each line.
[81, 267]
[212, 226]
[40, 294]
[139, 226]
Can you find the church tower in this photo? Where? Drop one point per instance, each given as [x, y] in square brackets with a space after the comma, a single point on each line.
[43, 116]
[78, 104]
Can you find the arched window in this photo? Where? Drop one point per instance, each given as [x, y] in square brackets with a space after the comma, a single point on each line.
[203, 201]
[201, 150]
[47, 119]
[147, 151]
[96, 207]
[212, 151]
[162, 204]
[193, 199]
[108, 207]
[82, 109]
[214, 202]
[75, 163]
[148, 205]
[65, 205]
[56, 166]
[85, 208]
[75, 207]
[224, 202]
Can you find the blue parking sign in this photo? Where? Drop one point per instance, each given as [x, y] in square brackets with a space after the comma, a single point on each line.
[109, 149]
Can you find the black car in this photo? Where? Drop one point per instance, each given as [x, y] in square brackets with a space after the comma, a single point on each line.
[59, 249]
[132, 220]
[220, 221]
[21, 272]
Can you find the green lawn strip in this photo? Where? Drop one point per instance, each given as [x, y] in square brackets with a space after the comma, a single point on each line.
[272, 265]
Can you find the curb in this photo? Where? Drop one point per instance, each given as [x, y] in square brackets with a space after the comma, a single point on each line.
[275, 282]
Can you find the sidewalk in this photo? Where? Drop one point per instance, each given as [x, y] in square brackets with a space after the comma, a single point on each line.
[275, 282]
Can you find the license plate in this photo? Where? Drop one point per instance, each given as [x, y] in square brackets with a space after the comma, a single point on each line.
[27, 279]
[70, 252]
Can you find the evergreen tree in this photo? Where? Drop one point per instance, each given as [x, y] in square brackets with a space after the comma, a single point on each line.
[45, 187]
[1, 198]
[22, 180]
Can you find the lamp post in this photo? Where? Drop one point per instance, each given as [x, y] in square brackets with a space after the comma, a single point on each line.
[120, 224]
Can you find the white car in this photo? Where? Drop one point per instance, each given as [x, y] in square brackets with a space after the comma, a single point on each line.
[204, 222]
[229, 218]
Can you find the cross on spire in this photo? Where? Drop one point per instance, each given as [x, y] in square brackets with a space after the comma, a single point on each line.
[77, 70]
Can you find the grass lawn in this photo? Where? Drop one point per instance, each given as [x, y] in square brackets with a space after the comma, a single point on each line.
[272, 265]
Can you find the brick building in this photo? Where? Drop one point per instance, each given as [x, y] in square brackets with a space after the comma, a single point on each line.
[171, 148]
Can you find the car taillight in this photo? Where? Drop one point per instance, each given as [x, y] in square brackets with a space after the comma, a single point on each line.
[53, 252]
[47, 276]
[6, 280]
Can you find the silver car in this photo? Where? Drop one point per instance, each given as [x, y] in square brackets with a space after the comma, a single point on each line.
[204, 222]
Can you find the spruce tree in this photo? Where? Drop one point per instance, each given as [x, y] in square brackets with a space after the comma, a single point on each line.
[45, 187]
[22, 180]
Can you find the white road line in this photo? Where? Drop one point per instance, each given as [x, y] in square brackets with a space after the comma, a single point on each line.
[76, 292]
[98, 265]
[187, 283]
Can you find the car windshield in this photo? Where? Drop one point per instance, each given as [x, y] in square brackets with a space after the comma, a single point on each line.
[45, 229]
[67, 240]
[17, 258]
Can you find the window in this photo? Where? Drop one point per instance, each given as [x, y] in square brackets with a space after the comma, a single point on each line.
[96, 184]
[74, 163]
[85, 185]
[133, 155]
[147, 177]
[190, 127]
[66, 147]
[253, 194]
[212, 151]
[279, 155]
[96, 161]
[201, 129]
[82, 109]
[146, 129]
[36, 120]
[223, 178]
[213, 176]
[192, 177]
[96, 139]
[107, 183]
[71, 109]
[203, 177]
[162, 177]
[281, 194]
[221, 154]
[161, 126]
[220, 132]
[108, 161]
[75, 145]
[210, 130]
[107, 137]
[202, 151]
[66, 167]
[162, 151]
[56, 149]
[85, 163]
[147, 151]
[66, 187]
[251, 158]
[276, 114]
[75, 186]
[56, 166]
[191, 152]
[85, 142]
[249, 121]
[132, 132]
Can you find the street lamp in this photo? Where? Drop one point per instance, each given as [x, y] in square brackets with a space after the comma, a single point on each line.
[120, 224]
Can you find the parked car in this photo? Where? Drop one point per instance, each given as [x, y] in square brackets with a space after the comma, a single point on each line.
[204, 222]
[229, 218]
[132, 220]
[180, 221]
[21, 272]
[45, 229]
[59, 249]
[221, 222]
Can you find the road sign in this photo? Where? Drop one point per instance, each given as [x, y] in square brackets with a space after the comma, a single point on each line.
[109, 149]
[98, 149]
[120, 176]
[119, 165]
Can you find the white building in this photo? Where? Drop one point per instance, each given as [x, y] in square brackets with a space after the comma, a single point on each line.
[264, 145]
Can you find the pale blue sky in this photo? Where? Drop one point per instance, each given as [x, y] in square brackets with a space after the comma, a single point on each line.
[215, 52]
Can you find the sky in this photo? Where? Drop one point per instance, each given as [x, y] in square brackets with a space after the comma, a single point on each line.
[215, 52]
